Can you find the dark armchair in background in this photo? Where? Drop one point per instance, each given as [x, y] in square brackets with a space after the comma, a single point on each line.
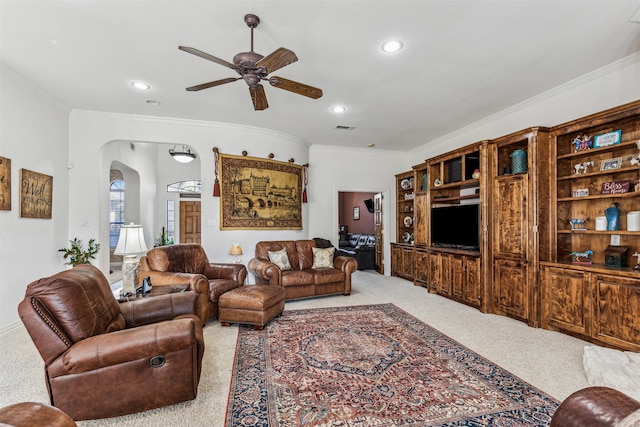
[597, 407]
[362, 248]
[105, 359]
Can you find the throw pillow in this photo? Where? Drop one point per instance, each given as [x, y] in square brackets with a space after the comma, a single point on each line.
[323, 257]
[280, 259]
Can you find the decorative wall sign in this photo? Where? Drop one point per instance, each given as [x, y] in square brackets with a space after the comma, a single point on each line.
[5, 184]
[356, 213]
[259, 194]
[615, 187]
[580, 192]
[36, 194]
[606, 139]
[610, 164]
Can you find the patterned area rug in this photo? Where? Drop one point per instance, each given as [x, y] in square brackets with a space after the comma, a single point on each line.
[371, 365]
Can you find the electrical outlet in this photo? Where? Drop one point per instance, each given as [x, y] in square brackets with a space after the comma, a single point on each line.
[615, 240]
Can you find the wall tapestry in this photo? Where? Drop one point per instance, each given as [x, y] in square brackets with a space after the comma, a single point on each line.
[36, 194]
[259, 194]
[5, 184]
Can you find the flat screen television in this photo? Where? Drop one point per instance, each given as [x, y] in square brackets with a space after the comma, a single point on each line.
[456, 227]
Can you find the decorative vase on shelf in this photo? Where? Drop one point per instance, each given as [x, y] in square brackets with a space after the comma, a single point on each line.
[613, 217]
[519, 161]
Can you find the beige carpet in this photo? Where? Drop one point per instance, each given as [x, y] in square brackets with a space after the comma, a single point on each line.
[548, 360]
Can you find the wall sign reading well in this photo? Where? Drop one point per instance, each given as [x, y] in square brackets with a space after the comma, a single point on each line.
[36, 194]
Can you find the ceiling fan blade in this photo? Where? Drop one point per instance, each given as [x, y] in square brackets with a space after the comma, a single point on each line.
[259, 98]
[212, 84]
[204, 55]
[277, 59]
[295, 87]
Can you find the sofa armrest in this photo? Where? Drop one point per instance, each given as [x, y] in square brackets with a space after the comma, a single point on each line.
[127, 345]
[266, 272]
[345, 263]
[229, 271]
[145, 311]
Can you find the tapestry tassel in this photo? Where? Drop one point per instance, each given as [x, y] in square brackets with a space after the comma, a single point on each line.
[305, 174]
[216, 184]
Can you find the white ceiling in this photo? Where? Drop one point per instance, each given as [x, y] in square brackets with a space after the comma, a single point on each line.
[462, 60]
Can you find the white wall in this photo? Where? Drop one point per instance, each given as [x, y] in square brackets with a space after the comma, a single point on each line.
[33, 134]
[333, 169]
[612, 85]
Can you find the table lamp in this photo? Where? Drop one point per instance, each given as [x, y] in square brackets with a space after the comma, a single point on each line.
[236, 251]
[130, 244]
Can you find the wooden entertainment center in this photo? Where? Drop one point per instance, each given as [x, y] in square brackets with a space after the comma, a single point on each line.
[540, 258]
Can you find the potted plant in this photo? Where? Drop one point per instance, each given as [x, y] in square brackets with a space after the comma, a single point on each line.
[77, 254]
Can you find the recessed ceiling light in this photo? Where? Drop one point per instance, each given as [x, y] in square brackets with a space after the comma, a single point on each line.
[140, 85]
[391, 46]
[153, 102]
[338, 109]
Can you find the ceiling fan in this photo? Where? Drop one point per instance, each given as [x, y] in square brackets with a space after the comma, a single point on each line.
[253, 68]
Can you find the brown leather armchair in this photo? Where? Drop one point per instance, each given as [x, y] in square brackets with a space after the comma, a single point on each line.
[105, 359]
[188, 264]
[30, 414]
[597, 407]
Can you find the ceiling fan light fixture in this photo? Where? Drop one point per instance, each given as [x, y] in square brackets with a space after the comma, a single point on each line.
[141, 85]
[391, 46]
[183, 156]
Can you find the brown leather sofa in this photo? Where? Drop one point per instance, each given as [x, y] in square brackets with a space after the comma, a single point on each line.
[301, 281]
[597, 407]
[188, 264]
[104, 359]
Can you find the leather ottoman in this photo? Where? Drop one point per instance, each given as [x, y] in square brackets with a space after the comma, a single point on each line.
[251, 304]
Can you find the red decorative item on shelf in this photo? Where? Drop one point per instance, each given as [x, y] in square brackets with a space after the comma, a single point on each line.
[216, 184]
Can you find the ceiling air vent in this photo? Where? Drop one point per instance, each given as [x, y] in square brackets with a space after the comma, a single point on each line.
[341, 127]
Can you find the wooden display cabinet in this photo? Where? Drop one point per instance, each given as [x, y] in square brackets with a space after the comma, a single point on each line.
[402, 261]
[593, 301]
[405, 196]
[571, 184]
[519, 215]
[455, 178]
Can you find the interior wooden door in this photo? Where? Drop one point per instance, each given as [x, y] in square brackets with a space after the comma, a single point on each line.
[190, 222]
[377, 231]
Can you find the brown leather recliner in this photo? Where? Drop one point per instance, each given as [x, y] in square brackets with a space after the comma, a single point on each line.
[597, 407]
[301, 281]
[30, 414]
[188, 264]
[104, 359]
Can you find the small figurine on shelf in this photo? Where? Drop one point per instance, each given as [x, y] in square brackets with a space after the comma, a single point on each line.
[582, 143]
[475, 174]
[583, 167]
[578, 223]
[637, 266]
[636, 160]
[636, 186]
[581, 257]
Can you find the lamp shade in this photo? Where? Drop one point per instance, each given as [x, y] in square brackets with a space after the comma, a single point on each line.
[131, 240]
[236, 249]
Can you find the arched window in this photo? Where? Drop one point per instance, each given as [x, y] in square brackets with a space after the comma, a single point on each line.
[189, 187]
[116, 211]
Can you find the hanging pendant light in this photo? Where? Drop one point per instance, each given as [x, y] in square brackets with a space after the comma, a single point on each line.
[184, 155]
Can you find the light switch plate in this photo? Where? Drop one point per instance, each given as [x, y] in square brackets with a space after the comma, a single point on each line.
[615, 240]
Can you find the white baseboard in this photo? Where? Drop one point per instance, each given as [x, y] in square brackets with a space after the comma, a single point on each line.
[10, 327]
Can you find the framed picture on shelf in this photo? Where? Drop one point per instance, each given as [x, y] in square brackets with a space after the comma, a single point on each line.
[611, 164]
[580, 192]
[606, 139]
[356, 213]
